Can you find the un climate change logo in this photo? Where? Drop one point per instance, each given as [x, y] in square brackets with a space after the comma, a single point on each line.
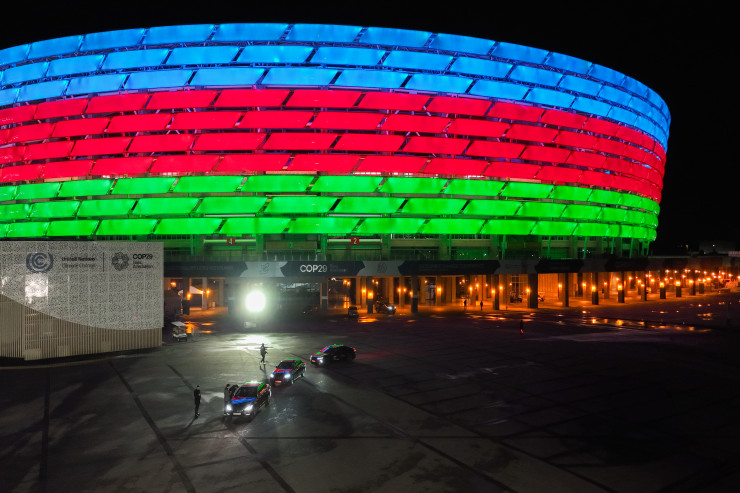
[119, 261]
[39, 262]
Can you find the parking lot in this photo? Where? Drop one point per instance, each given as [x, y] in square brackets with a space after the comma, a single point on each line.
[457, 401]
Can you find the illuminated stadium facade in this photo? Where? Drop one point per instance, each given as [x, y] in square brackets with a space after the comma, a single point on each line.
[291, 140]
[361, 154]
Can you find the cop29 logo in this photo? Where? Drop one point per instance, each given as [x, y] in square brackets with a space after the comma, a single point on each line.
[39, 262]
[119, 261]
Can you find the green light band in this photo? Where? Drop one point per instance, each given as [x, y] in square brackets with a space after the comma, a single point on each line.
[485, 188]
[424, 186]
[83, 188]
[163, 206]
[14, 212]
[390, 225]
[8, 193]
[254, 225]
[480, 207]
[452, 226]
[37, 191]
[529, 190]
[230, 205]
[329, 225]
[433, 207]
[364, 205]
[208, 184]
[34, 229]
[110, 207]
[299, 205]
[574, 194]
[143, 186]
[193, 226]
[48, 210]
[578, 211]
[519, 208]
[541, 209]
[110, 227]
[84, 227]
[344, 184]
[277, 183]
[553, 228]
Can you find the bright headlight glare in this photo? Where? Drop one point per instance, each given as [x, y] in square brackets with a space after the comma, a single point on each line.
[228, 407]
[248, 408]
[287, 375]
[272, 375]
[256, 301]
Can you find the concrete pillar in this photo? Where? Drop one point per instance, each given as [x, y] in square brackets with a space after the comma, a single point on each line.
[324, 295]
[369, 294]
[415, 287]
[533, 285]
[607, 283]
[579, 284]
[496, 283]
[204, 296]
[594, 288]
[438, 288]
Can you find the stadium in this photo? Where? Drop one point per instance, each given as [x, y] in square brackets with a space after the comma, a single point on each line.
[384, 159]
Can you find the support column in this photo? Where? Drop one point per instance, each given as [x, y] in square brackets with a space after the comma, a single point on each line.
[438, 289]
[204, 295]
[594, 288]
[415, 286]
[370, 294]
[579, 285]
[324, 295]
[496, 282]
[533, 285]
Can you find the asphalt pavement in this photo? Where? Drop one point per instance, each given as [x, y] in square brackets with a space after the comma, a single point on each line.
[635, 398]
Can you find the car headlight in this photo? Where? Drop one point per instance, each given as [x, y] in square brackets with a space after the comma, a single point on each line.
[320, 358]
[287, 375]
[228, 407]
[249, 408]
[272, 375]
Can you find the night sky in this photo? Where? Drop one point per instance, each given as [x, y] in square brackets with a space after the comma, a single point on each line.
[685, 54]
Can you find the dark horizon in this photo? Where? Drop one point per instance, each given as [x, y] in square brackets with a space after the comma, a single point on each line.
[680, 53]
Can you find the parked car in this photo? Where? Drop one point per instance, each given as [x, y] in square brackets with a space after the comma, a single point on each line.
[352, 312]
[248, 399]
[383, 307]
[515, 298]
[287, 372]
[332, 354]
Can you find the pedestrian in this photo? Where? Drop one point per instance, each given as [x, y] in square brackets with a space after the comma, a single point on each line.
[521, 326]
[465, 304]
[196, 398]
[227, 397]
[263, 352]
[481, 305]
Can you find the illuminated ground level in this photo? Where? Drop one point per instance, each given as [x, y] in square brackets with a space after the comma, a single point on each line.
[411, 284]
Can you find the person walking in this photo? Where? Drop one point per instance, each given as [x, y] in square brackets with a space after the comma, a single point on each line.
[263, 352]
[481, 305]
[196, 398]
[227, 396]
[521, 326]
[465, 304]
